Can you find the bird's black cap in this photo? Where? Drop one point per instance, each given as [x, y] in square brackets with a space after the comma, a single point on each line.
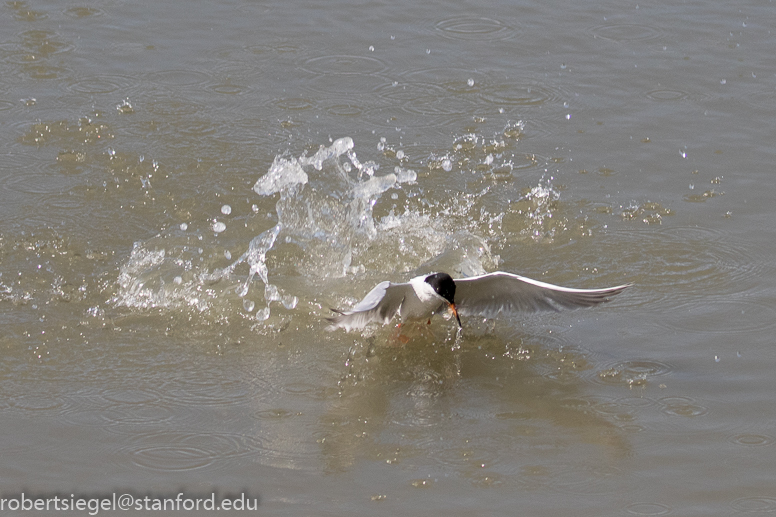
[443, 284]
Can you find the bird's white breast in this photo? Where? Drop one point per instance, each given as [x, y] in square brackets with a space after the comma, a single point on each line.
[423, 290]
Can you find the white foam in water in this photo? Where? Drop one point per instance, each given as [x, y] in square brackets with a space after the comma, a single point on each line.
[326, 220]
[327, 230]
[283, 173]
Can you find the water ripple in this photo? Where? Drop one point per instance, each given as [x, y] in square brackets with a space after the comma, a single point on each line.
[666, 95]
[623, 32]
[631, 373]
[344, 64]
[750, 440]
[754, 504]
[472, 28]
[178, 77]
[648, 509]
[170, 451]
[676, 264]
[101, 84]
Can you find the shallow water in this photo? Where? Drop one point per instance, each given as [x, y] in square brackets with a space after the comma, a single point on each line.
[186, 191]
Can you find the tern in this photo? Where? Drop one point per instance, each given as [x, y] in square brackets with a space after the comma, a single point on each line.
[484, 295]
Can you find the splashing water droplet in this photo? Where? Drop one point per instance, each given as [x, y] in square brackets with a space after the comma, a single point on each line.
[219, 227]
[226, 209]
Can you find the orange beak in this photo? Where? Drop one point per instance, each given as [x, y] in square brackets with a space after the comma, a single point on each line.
[455, 313]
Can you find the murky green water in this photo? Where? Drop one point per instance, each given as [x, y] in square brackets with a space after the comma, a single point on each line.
[185, 191]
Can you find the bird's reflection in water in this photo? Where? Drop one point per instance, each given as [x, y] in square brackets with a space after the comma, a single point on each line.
[473, 402]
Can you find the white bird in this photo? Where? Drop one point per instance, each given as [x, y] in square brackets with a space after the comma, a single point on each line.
[484, 295]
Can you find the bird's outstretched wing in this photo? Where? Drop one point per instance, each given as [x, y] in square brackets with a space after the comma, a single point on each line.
[488, 295]
[380, 305]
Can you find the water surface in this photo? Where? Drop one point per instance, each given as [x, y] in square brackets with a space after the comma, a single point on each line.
[186, 190]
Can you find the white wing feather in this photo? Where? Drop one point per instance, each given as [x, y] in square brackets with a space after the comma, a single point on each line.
[380, 305]
[489, 295]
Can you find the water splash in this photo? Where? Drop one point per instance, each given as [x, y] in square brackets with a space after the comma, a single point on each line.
[324, 219]
[330, 221]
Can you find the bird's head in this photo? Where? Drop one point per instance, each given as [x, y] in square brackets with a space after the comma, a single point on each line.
[444, 285]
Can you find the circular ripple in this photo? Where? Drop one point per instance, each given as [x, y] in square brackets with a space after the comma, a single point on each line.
[345, 110]
[94, 417]
[630, 373]
[294, 104]
[720, 316]
[229, 89]
[754, 504]
[751, 440]
[676, 264]
[648, 509]
[103, 84]
[178, 77]
[223, 393]
[41, 401]
[682, 406]
[453, 80]
[667, 95]
[131, 396]
[626, 32]
[175, 452]
[474, 28]
[344, 64]
[521, 94]
[421, 99]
